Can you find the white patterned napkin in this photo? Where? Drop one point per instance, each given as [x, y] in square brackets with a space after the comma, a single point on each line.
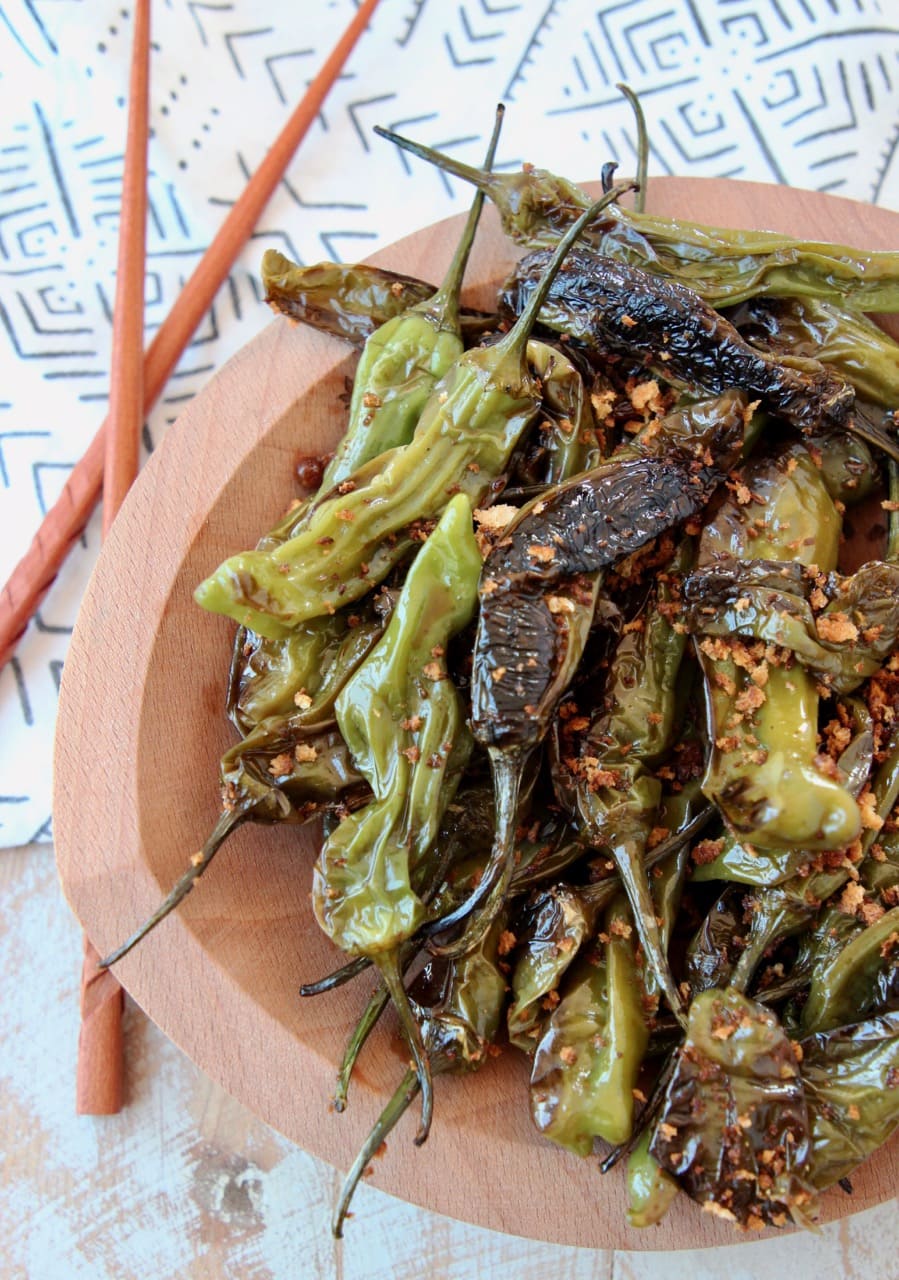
[799, 91]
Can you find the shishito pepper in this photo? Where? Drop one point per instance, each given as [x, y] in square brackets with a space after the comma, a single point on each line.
[552, 930]
[650, 1188]
[610, 782]
[555, 924]
[540, 585]
[586, 1064]
[403, 361]
[779, 911]
[621, 309]
[742, 863]
[851, 1080]
[291, 777]
[734, 1126]
[275, 680]
[352, 539]
[404, 723]
[566, 438]
[860, 979]
[721, 265]
[290, 766]
[348, 301]
[847, 341]
[763, 707]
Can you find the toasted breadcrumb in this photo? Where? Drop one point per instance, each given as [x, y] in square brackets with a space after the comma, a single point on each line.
[545, 555]
[495, 519]
[871, 819]
[507, 941]
[837, 628]
[282, 763]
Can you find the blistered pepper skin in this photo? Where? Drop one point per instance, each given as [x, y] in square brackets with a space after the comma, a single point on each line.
[724, 266]
[585, 1066]
[622, 309]
[465, 436]
[763, 732]
[404, 723]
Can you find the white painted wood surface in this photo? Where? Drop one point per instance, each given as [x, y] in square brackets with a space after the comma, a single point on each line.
[186, 1184]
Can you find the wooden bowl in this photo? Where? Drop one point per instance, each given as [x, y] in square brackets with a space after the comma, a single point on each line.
[141, 729]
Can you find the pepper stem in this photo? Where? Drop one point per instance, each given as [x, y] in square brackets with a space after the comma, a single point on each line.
[892, 551]
[507, 767]
[642, 145]
[485, 182]
[515, 341]
[389, 965]
[228, 821]
[337, 978]
[362, 1030]
[628, 856]
[387, 1120]
[443, 307]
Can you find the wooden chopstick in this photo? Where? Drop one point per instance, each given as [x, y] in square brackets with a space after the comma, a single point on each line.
[126, 380]
[100, 1074]
[65, 520]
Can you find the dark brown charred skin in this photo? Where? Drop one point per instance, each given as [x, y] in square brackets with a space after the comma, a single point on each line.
[618, 308]
[580, 528]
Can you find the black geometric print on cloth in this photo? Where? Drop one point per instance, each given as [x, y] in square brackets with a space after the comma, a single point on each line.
[787, 81]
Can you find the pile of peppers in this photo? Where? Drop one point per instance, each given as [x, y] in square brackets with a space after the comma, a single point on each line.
[603, 733]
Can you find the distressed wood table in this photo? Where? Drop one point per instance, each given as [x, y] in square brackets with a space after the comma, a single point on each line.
[186, 1184]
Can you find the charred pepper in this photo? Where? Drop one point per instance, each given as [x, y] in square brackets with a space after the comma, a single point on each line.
[464, 438]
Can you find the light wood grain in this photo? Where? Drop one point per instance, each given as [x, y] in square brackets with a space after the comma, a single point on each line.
[136, 787]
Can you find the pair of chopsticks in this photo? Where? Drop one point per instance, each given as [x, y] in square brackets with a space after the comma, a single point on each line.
[111, 460]
[66, 519]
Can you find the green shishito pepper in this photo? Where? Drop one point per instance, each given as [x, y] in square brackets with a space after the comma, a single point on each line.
[585, 1067]
[847, 988]
[408, 349]
[850, 1076]
[650, 1188]
[810, 328]
[764, 715]
[404, 723]
[348, 300]
[464, 438]
[403, 361]
[734, 1127]
[723, 266]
